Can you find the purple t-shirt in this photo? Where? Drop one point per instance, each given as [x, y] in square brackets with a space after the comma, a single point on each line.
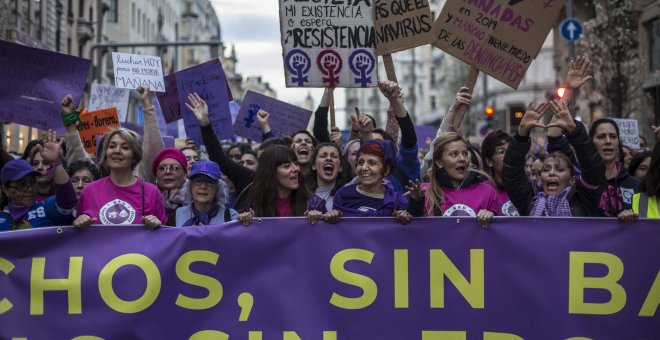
[467, 201]
[112, 204]
[352, 203]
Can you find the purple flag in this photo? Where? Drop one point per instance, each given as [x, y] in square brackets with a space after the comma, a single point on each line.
[531, 278]
[34, 81]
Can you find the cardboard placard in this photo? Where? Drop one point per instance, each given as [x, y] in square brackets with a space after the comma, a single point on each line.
[499, 37]
[328, 44]
[170, 98]
[34, 81]
[208, 82]
[104, 96]
[402, 24]
[96, 123]
[284, 118]
[628, 132]
[133, 70]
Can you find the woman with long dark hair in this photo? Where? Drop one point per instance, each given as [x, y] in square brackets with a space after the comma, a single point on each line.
[279, 190]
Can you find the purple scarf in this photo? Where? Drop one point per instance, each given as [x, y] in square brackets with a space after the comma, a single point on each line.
[552, 205]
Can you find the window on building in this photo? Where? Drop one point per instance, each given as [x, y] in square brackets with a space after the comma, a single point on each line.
[434, 104]
[112, 12]
[133, 15]
[81, 8]
[653, 28]
[91, 13]
[432, 76]
[139, 20]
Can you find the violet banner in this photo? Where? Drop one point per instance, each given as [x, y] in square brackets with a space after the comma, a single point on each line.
[436, 278]
[35, 81]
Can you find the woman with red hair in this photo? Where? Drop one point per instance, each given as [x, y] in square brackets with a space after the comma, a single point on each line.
[370, 196]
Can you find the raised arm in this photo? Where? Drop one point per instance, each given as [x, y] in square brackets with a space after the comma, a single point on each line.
[516, 183]
[70, 118]
[153, 141]
[239, 175]
[65, 195]
[450, 123]
[578, 75]
[320, 128]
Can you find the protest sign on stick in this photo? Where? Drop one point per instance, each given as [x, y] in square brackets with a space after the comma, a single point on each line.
[284, 118]
[34, 81]
[105, 96]
[401, 25]
[133, 70]
[470, 82]
[96, 123]
[498, 37]
[330, 44]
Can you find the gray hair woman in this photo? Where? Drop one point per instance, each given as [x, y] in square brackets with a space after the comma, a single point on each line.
[207, 196]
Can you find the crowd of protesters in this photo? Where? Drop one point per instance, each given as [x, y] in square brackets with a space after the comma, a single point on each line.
[571, 171]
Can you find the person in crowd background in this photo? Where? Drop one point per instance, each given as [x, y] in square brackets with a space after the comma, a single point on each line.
[645, 203]
[169, 167]
[493, 148]
[562, 193]
[640, 164]
[19, 183]
[82, 173]
[207, 195]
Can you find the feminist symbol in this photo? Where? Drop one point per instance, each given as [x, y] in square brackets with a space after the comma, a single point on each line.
[252, 112]
[362, 63]
[298, 63]
[329, 62]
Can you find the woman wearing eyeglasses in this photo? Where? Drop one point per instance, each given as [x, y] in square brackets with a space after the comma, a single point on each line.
[207, 196]
[170, 167]
[82, 173]
[120, 198]
[19, 183]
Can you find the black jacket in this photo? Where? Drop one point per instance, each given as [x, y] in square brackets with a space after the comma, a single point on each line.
[583, 200]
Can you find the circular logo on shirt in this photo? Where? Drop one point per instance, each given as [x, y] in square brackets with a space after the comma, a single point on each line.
[459, 210]
[117, 212]
[508, 209]
[627, 195]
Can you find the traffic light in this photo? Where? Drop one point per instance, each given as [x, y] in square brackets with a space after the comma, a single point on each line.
[489, 111]
[560, 91]
[516, 113]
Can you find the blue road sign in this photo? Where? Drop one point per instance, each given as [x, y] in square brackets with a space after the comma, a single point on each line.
[571, 29]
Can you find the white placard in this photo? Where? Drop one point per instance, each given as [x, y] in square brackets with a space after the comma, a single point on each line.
[133, 70]
[328, 44]
[105, 96]
[628, 132]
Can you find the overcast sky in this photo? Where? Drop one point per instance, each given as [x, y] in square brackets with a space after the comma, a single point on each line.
[253, 27]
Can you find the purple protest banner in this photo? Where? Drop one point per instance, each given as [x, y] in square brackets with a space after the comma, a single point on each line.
[528, 278]
[34, 81]
[284, 118]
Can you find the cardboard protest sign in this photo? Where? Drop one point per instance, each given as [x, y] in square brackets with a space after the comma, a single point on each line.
[34, 81]
[96, 123]
[402, 24]
[133, 70]
[170, 98]
[284, 118]
[499, 37]
[628, 132]
[105, 96]
[329, 44]
[208, 82]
